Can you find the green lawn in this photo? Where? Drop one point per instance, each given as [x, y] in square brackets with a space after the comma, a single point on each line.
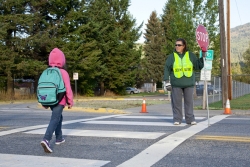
[241, 103]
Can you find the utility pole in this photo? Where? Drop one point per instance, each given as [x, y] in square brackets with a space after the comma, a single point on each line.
[229, 52]
[224, 64]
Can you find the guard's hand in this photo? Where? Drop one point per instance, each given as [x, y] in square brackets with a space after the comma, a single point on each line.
[204, 49]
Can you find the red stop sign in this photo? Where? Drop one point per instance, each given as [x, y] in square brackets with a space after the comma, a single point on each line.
[202, 37]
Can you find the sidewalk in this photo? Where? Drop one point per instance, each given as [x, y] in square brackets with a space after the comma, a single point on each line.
[160, 109]
[167, 109]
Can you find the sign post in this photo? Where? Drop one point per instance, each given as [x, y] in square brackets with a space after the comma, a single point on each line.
[202, 39]
[75, 77]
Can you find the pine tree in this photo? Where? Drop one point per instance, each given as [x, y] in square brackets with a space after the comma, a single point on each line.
[116, 39]
[154, 49]
[177, 22]
[17, 53]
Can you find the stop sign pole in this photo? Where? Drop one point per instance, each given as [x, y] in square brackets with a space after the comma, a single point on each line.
[202, 39]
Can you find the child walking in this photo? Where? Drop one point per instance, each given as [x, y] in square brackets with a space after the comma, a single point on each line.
[57, 59]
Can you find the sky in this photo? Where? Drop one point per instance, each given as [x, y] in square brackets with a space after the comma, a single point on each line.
[141, 10]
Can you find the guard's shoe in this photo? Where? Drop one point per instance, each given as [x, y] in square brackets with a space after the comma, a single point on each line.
[46, 146]
[60, 141]
[176, 123]
[193, 123]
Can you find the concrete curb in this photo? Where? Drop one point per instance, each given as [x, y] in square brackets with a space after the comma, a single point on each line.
[92, 110]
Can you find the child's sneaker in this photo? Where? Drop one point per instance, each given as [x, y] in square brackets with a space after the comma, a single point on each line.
[46, 146]
[60, 141]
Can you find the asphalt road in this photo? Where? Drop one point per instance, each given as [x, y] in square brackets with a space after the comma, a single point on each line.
[132, 139]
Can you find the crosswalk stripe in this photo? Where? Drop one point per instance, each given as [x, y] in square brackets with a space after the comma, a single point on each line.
[102, 133]
[154, 117]
[14, 108]
[132, 123]
[160, 149]
[3, 133]
[13, 160]
[239, 118]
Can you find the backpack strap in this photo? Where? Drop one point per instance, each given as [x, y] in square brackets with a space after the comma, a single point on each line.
[56, 67]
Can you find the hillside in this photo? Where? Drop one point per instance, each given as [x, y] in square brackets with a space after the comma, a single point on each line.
[240, 41]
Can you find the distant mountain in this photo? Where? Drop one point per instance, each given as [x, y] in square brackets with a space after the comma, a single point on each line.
[240, 41]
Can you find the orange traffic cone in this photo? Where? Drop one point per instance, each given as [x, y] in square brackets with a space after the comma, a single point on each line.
[227, 109]
[143, 108]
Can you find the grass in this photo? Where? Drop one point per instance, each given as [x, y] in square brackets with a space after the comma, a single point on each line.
[116, 104]
[240, 103]
[145, 94]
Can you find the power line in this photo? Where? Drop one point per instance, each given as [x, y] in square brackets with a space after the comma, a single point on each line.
[238, 12]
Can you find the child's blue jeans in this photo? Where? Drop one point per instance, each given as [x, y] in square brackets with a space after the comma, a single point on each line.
[55, 124]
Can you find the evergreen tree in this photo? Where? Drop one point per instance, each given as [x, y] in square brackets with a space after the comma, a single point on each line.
[116, 39]
[177, 22]
[18, 20]
[154, 49]
[77, 38]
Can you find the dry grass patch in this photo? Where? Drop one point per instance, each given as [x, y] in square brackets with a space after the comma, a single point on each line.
[117, 104]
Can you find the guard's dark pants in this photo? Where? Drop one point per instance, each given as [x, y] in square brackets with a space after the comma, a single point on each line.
[176, 101]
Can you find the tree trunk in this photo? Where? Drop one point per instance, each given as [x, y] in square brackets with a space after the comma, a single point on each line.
[102, 89]
[10, 86]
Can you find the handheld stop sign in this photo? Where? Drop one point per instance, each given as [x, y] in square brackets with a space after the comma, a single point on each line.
[202, 37]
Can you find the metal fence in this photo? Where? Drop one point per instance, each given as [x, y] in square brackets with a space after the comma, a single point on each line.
[238, 88]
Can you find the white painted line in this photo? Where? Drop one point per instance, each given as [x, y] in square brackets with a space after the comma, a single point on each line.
[239, 118]
[2, 133]
[160, 149]
[133, 123]
[101, 133]
[12, 160]
[9, 110]
[14, 108]
[154, 117]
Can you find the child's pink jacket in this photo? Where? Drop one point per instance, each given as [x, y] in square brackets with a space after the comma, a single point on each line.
[57, 58]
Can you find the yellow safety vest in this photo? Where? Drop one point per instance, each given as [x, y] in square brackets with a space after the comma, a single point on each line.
[182, 66]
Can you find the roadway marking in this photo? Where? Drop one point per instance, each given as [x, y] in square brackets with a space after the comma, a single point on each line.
[160, 149]
[240, 118]
[3, 127]
[133, 123]
[45, 126]
[14, 108]
[223, 138]
[102, 133]
[7, 160]
[154, 117]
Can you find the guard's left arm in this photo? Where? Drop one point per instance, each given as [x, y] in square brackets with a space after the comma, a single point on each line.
[197, 62]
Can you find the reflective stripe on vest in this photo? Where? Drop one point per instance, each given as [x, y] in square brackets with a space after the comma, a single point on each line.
[182, 66]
